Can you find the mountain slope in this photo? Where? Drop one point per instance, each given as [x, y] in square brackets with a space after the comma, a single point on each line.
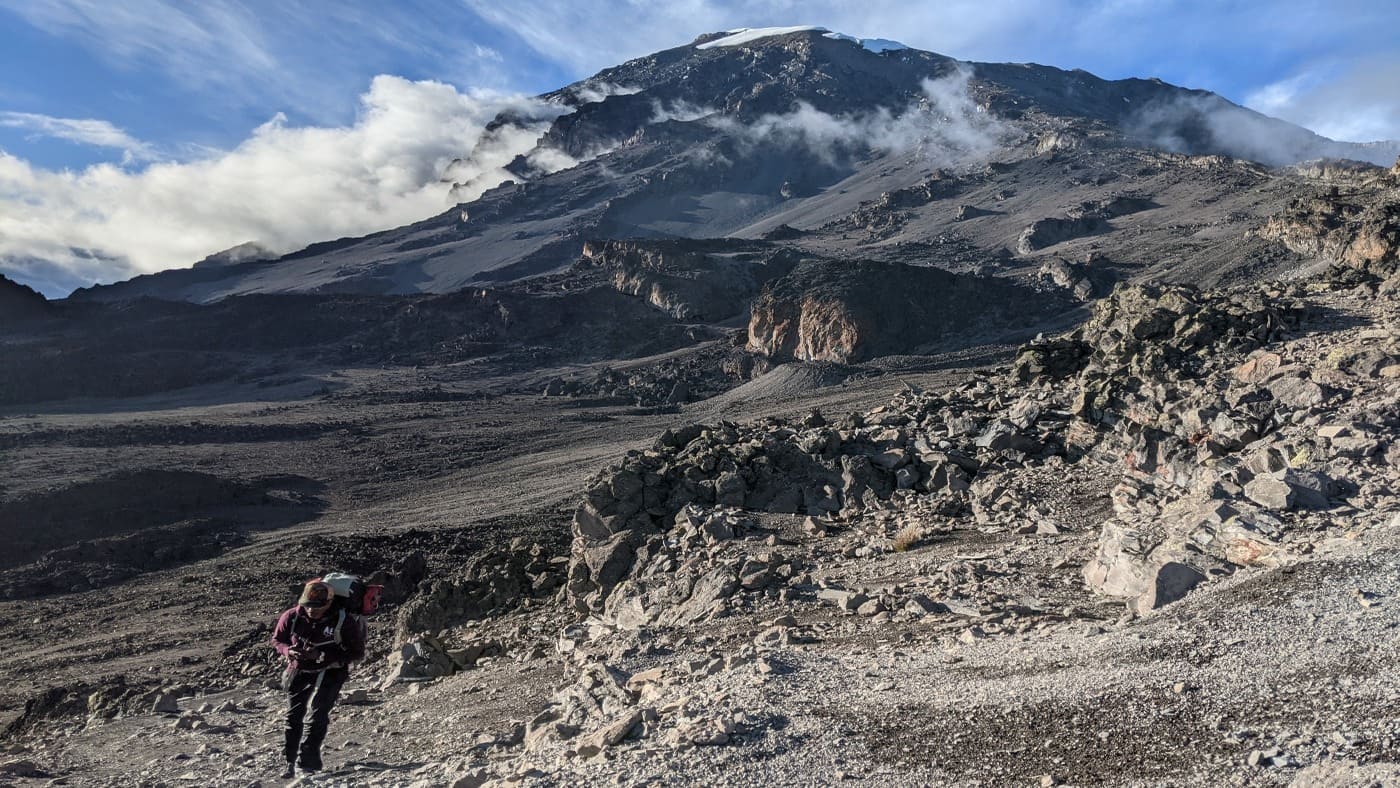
[705, 141]
[19, 303]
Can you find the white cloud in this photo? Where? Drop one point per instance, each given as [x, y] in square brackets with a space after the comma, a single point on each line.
[88, 131]
[682, 111]
[1357, 103]
[593, 92]
[283, 187]
[1224, 47]
[946, 126]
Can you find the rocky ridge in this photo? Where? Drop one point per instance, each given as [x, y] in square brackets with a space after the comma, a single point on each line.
[844, 312]
[19, 303]
[1358, 232]
[1217, 455]
[689, 280]
[1226, 456]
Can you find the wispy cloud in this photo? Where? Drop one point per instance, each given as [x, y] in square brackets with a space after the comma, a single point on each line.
[284, 187]
[182, 38]
[298, 56]
[1358, 102]
[85, 131]
[592, 92]
[1233, 48]
[945, 126]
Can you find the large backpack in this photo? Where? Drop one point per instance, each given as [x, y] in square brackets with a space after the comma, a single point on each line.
[353, 594]
[353, 597]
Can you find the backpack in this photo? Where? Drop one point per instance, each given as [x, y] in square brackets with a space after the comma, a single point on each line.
[353, 599]
[353, 594]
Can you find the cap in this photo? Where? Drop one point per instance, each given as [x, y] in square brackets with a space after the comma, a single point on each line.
[315, 594]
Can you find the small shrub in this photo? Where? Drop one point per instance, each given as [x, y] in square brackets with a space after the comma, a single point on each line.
[907, 537]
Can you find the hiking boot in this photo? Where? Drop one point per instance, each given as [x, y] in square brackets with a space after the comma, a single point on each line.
[290, 771]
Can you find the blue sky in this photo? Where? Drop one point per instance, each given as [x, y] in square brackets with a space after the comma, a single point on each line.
[213, 122]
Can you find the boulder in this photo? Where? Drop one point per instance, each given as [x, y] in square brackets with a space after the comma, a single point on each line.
[166, 703]
[610, 735]
[1258, 368]
[730, 490]
[19, 767]
[848, 601]
[1270, 492]
[1311, 489]
[1168, 583]
[1118, 567]
[1297, 392]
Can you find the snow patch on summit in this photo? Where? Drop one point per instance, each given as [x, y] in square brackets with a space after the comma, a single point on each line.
[876, 45]
[745, 35]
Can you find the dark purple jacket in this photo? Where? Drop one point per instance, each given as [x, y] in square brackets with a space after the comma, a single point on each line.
[295, 629]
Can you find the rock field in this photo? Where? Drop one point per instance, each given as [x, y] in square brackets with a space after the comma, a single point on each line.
[1074, 466]
[1161, 548]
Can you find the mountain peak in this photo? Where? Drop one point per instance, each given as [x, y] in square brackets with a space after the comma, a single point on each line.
[748, 35]
[741, 132]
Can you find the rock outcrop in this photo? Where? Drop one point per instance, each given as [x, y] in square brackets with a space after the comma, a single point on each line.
[491, 582]
[1215, 440]
[1221, 458]
[689, 280]
[1090, 218]
[847, 312]
[1363, 235]
[1048, 232]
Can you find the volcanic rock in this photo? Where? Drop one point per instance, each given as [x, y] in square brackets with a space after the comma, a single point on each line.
[823, 311]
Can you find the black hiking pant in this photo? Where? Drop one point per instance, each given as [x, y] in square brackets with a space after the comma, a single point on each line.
[321, 689]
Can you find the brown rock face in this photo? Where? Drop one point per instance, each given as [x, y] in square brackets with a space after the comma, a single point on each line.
[810, 329]
[1364, 235]
[849, 312]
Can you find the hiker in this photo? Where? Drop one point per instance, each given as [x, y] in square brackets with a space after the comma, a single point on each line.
[320, 638]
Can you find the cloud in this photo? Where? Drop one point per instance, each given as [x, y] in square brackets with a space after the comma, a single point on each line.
[594, 91]
[1202, 123]
[945, 126]
[183, 38]
[56, 280]
[1356, 102]
[98, 133]
[311, 56]
[284, 187]
[1231, 48]
[679, 110]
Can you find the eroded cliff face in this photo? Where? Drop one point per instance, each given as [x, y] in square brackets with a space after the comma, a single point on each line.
[811, 328]
[1360, 231]
[689, 279]
[853, 311]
